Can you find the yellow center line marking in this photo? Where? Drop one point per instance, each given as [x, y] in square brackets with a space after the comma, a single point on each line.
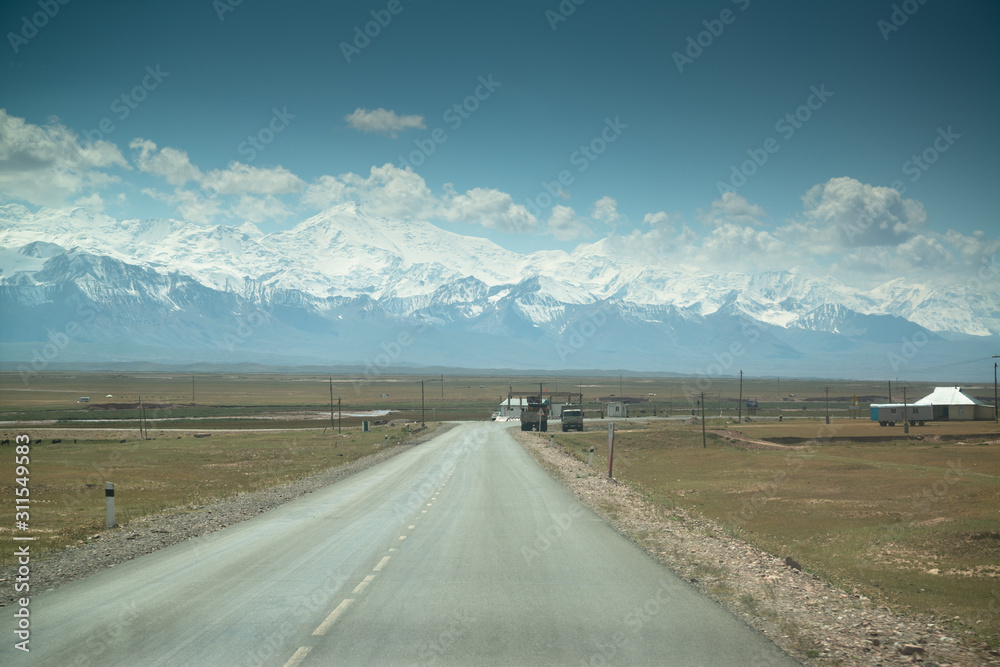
[423, 511]
[297, 657]
[410, 527]
[402, 537]
[381, 564]
[332, 618]
[364, 582]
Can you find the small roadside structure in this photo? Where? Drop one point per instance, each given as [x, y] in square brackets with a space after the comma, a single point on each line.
[83, 399]
[618, 409]
[511, 408]
[942, 404]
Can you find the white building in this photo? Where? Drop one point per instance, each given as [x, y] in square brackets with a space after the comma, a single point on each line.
[942, 404]
[511, 408]
[952, 404]
[618, 409]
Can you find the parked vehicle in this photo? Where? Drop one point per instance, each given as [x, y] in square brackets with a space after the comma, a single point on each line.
[572, 417]
[535, 416]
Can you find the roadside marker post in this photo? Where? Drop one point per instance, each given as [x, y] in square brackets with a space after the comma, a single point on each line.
[611, 449]
[109, 496]
[591, 461]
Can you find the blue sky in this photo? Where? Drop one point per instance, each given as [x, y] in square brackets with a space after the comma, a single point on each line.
[810, 113]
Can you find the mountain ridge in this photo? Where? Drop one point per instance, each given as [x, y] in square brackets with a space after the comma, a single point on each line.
[343, 278]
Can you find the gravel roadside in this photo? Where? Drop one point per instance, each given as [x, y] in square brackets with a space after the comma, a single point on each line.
[148, 534]
[812, 620]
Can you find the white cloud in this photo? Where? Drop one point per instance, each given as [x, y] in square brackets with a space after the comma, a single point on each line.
[392, 192]
[565, 225]
[732, 246]
[171, 164]
[240, 178]
[731, 209]
[844, 212]
[259, 209]
[324, 193]
[605, 210]
[660, 219]
[193, 206]
[47, 165]
[383, 121]
[93, 201]
[489, 208]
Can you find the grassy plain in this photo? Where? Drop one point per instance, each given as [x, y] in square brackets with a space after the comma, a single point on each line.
[167, 472]
[911, 521]
[298, 399]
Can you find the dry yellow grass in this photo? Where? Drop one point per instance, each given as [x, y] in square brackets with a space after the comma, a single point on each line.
[168, 472]
[913, 523]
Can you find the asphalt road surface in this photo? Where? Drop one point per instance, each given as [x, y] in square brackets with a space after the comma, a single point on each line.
[461, 551]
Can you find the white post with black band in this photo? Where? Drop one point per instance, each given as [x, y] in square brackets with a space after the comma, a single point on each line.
[109, 496]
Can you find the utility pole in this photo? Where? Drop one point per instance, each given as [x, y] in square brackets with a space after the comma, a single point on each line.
[192, 390]
[906, 420]
[422, 422]
[703, 445]
[996, 416]
[827, 405]
[340, 417]
[739, 406]
[331, 405]
[890, 391]
[442, 387]
[611, 449]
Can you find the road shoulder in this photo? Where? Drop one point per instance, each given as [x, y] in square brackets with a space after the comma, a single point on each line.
[810, 619]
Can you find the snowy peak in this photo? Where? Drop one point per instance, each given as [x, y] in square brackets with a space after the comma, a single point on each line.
[408, 266]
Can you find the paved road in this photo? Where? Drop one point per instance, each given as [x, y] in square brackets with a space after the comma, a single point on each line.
[461, 551]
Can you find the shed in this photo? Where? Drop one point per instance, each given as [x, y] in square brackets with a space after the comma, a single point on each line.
[618, 409]
[953, 404]
[511, 408]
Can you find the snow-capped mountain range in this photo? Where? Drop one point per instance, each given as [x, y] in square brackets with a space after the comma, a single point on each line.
[346, 288]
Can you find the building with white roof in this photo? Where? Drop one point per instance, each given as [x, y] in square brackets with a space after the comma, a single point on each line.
[942, 404]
